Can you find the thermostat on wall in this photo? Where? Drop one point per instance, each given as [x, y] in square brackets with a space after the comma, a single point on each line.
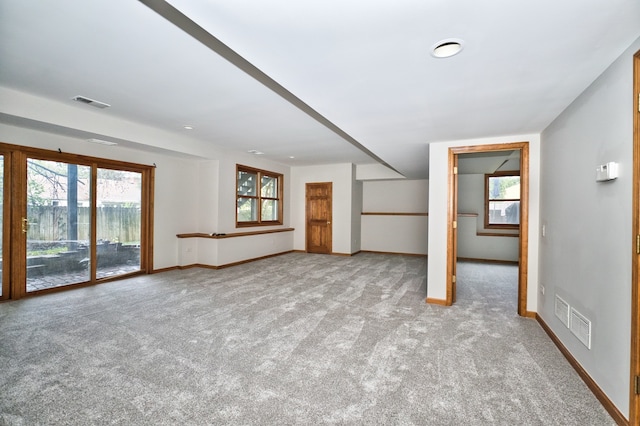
[607, 172]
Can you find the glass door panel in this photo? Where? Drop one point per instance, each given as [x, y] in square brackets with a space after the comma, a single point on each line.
[57, 224]
[118, 222]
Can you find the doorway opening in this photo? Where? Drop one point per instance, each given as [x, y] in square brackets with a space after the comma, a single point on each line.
[506, 154]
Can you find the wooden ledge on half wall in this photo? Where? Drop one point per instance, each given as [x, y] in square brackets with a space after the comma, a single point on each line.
[460, 214]
[497, 234]
[216, 236]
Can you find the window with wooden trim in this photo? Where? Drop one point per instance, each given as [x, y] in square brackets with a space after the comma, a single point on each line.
[259, 197]
[502, 200]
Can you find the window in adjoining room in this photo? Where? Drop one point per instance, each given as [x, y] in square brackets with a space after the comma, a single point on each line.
[259, 197]
[502, 200]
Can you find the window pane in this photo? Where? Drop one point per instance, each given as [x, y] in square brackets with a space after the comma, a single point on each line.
[269, 187]
[247, 183]
[504, 188]
[118, 222]
[58, 235]
[504, 212]
[247, 209]
[258, 197]
[269, 210]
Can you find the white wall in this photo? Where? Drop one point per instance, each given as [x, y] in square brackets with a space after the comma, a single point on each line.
[216, 187]
[208, 188]
[174, 207]
[376, 171]
[585, 256]
[227, 251]
[395, 234]
[342, 176]
[471, 197]
[438, 195]
[226, 192]
[470, 245]
[396, 196]
[481, 247]
[175, 180]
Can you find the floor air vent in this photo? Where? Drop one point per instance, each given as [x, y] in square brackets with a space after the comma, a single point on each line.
[562, 310]
[581, 327]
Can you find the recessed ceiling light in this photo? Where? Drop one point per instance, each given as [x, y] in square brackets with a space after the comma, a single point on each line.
[187, 127]
[255, 152]
[292, 157]
[447, 48]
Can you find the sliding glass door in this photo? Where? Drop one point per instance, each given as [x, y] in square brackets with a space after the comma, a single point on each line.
[68, 219]
[119, 218]
[57, 224]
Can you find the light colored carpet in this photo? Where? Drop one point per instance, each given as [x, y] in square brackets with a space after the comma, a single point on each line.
[295, 339]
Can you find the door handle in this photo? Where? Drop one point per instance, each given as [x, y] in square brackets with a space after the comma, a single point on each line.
[25, 225]
[328, 223]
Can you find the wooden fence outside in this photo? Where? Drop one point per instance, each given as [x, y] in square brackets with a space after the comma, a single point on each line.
[119, 224]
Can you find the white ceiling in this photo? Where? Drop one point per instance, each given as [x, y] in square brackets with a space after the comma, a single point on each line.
[347, 75]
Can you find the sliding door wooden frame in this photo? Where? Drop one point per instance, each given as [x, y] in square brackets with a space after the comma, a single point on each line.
[148, 191]
[6, 225]
[17, 243]
[16, 205]
[93, 229]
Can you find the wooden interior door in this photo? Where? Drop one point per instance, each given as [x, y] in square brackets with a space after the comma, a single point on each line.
[318, 217]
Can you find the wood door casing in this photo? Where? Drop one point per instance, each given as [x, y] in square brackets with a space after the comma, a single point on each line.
[634, 398]
[319, 201]
[523, 254]
[451, 295]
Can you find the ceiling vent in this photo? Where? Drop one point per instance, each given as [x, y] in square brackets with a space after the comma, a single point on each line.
[101, 142]
[91, 102]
